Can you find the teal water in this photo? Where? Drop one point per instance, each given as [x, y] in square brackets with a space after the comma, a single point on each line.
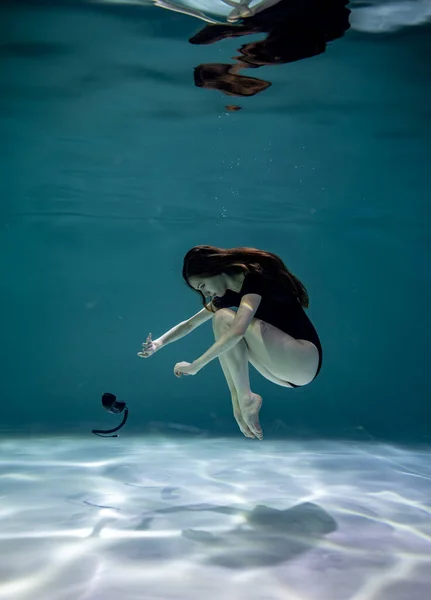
[113, 164]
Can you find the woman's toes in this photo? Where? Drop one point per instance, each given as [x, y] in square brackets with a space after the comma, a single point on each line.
[246, 430]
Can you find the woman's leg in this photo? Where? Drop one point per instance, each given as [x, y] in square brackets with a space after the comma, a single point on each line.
[279, 355]
[234, 363]
[224, 363]
[276, 355]
[263, 371]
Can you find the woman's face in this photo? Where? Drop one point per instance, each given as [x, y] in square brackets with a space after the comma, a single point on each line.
[209, 286]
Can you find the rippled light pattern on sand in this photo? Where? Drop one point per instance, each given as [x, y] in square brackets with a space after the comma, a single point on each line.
[187, 519]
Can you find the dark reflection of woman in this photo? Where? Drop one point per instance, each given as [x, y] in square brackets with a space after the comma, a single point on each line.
[295, 30]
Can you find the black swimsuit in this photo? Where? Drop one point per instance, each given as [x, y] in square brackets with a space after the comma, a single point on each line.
[278, 307]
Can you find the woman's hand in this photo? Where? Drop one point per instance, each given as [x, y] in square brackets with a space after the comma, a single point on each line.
[149, 347]
[185, 368]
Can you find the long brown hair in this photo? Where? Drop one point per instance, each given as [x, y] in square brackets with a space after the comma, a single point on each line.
[207, 261]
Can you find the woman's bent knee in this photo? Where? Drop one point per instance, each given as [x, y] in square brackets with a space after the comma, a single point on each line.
[224, 315]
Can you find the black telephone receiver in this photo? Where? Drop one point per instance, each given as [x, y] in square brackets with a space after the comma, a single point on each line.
[114, 406]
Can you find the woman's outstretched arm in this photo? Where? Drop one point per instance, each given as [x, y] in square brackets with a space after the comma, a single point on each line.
[150, 346]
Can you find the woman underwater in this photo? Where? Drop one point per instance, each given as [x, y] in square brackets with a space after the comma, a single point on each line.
[269, 329]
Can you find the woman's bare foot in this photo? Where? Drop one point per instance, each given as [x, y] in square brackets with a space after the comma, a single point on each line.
[239, 419]
[250, 408]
